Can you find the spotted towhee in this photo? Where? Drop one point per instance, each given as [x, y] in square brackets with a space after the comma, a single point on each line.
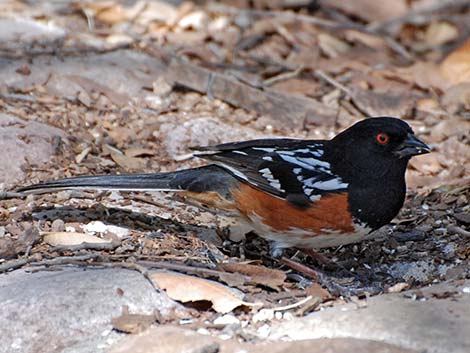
[296, 193]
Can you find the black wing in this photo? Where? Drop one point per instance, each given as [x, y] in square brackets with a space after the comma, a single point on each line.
[288, 168]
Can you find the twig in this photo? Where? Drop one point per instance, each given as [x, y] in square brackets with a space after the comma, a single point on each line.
[460, 231]
[12, 265]
[301, 268]
[282, 77]
[354, 97]
[5, 195]
[67, 260]
[33, 260]
[333, 82]
[292, 306]
[189, 269]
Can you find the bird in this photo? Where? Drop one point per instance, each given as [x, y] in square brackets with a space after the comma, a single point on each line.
[306, 194]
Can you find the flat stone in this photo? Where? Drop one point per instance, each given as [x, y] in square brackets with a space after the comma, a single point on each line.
[70, 310]
[121, 75]
[432, 325]
[23, 142]
[18, 33]
[171, 339]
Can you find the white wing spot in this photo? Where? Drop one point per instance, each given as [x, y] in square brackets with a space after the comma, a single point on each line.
[241, 152]
[307, 163]
[275, 183]
[264, 149]
[267, 158]
[315, 197]
[317, 153]
[332, 184]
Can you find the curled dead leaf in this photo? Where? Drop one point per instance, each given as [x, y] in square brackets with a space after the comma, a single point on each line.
[186, 288]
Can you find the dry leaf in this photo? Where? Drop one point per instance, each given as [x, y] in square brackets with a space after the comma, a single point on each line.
[456, 67]
[71, 238]
[332, 46]
[124, 161]
[139, 152]
[132, 323]
[108, 12]
[457, 98]
[447, 128]
[258, 274]
[427, 164]
[186, 288]
[372, 10]
[439, 33]
[317, 291]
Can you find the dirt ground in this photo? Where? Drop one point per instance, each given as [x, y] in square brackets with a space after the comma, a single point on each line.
[133, 84]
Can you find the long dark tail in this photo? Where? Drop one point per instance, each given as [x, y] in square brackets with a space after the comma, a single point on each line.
[207, 178]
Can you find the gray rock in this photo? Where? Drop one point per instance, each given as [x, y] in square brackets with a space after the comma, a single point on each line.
[431, 325]
[170, 339]
[23, 142]
[70, 310]
[17, 33]
[419, 270]
[120, 75]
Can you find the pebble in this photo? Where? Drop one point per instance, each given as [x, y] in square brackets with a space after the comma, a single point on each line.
[397, 288]
[414, 235]
[58, 225]
[227, 319]
[263, 315]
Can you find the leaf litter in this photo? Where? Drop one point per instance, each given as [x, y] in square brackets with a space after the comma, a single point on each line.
[135, 87]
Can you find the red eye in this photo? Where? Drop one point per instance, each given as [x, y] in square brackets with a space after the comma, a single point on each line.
[382, 138]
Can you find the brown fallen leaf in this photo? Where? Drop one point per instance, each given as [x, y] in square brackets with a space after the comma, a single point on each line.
[257, 273]
[371, 10]
[123, 160]
[186, 288]
[439, 33]
[132, 323]
[317, 291]
[138, 152]
[71, 238]
[457, 98]
[456, 67]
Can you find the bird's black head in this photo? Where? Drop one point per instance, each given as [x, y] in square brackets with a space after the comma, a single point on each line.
[375, 147]
[371, 156]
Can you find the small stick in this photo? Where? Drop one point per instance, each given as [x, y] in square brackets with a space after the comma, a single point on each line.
[301, 268]
[5, 195]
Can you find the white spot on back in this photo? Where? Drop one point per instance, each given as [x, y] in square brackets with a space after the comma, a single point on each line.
[241, 152]
[264, 149]
[332, 184]
[307, 163]
[268, 175]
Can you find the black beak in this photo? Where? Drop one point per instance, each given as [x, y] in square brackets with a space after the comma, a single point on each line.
[411, 147]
